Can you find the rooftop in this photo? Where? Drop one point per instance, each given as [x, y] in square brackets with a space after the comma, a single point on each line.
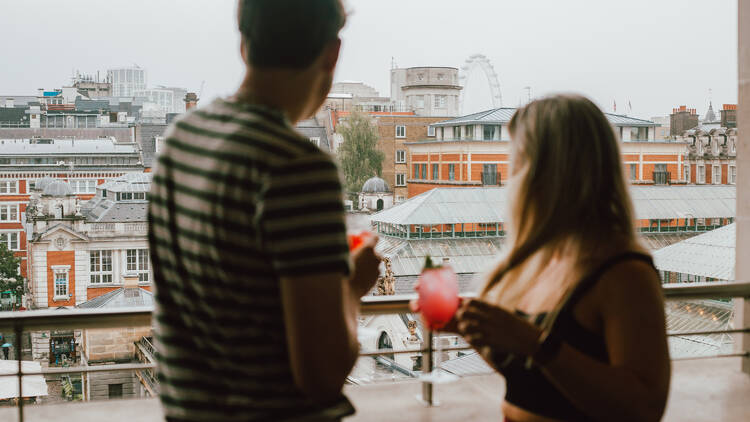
[711, 254]
[121, 298]
[503, 115]
[130, 182]
[489, 205]
[45, 147]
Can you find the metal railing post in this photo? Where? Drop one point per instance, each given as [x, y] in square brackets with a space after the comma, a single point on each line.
[427, 386]
[18, 332]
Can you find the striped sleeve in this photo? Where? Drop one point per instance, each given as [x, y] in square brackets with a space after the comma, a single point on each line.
[303, 218]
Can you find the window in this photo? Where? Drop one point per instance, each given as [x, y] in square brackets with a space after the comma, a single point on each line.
[400, 179]
[451, 172]
[315, 140]
[61, 281]
[716, 179]
[456, 132]
[435, 170]
[687, 173]
[9, 187]
[732, 175]
[419, 101]
[431, 130]
[137, 261]
[139, 195]
[9, 212]
[10, 240]
[416, 171]
[701, 174]
[633, 172]
[489, 132]
[638, 133]
[400, 156]
[114, 391]
[101, 267]
[83, 186]
[469, 132]
[489, 174]
[401, 131]
[440, 101]
[424, 171]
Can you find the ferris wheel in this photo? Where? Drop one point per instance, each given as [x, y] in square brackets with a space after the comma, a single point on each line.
[480, 63]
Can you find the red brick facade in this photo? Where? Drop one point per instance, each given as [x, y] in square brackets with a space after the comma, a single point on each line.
[66, 258]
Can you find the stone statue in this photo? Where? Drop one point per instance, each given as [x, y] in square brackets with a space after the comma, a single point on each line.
[386, 283]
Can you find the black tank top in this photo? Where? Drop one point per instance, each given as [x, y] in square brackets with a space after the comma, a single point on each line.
[528, 388]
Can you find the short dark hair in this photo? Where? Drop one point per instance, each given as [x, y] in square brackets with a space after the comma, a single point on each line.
[288, 33]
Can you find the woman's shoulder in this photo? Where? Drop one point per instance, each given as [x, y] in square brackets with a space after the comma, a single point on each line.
[629, 277]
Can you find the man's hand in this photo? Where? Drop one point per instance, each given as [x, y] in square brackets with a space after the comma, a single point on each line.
[366, 267]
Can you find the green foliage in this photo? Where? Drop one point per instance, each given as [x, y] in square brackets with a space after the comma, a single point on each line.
[10, 278]
[359, 156]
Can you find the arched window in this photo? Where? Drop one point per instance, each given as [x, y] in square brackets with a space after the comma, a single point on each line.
[384, 342]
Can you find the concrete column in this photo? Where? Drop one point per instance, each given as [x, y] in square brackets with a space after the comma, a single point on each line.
[742, 270]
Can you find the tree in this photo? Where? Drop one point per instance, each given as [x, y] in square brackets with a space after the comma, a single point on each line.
[359, 156]
[10, 278]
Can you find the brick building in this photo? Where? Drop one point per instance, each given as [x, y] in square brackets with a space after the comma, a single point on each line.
[83, 163]
[474, 150]
[395, 132]
[79, 251]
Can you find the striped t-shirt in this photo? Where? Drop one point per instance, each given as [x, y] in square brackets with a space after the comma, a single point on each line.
[238, 200]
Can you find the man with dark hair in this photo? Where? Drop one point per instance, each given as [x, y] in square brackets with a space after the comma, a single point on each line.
[256, 292]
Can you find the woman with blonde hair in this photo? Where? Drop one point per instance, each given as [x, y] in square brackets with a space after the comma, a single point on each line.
[572, 315]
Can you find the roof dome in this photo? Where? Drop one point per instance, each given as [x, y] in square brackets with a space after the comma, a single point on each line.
[375, 185]
[42, 183]
[58, 188]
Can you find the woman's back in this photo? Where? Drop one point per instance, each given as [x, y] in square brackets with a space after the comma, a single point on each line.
[595, 346]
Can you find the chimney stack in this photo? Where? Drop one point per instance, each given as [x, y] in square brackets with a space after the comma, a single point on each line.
[130, 281]
[191, 100]
[682, 119]
[728, 115]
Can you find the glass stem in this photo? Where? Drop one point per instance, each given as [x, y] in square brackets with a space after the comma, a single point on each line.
[438, 352]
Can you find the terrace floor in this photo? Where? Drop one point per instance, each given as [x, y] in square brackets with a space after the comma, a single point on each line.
[702, 390]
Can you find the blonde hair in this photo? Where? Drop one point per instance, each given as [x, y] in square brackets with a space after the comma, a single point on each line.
[568, 196]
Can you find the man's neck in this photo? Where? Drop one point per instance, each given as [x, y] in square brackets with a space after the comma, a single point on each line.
[284, 90]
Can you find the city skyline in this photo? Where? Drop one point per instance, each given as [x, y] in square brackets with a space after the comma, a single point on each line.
[652, 56]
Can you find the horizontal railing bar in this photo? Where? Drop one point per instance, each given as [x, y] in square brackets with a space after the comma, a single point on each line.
[86, 369]
[720, 355]
[398, 352]
[706, 290]
[370, 305]
[702, 333]
[76, 319]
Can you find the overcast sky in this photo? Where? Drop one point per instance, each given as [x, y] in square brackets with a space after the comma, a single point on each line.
[656, 54]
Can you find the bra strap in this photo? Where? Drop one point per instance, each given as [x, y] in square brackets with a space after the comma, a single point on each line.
[592, 278]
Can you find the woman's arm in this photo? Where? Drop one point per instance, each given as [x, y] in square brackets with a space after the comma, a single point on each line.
[634, 385]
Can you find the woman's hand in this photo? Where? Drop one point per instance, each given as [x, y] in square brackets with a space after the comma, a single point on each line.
[488, 326]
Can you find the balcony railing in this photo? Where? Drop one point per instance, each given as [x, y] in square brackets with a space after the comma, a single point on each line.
[18, 322]
[661, 177]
